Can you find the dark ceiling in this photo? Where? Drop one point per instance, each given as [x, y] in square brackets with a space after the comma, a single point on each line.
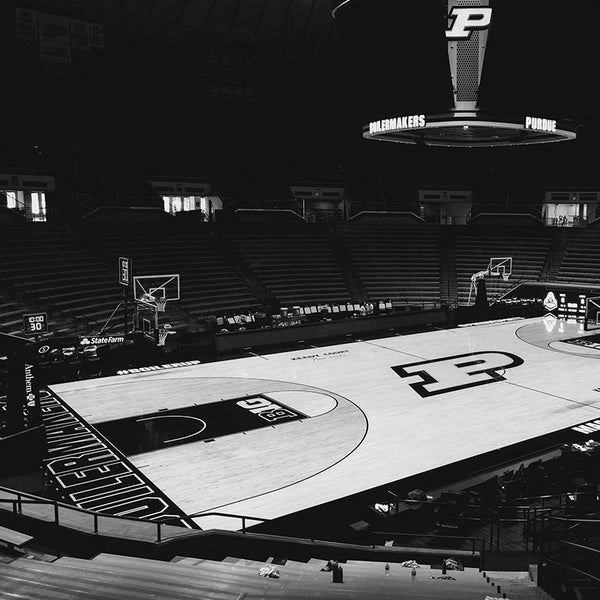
[253, 86]
[292, 29]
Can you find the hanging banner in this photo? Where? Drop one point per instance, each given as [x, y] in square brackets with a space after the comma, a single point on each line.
[80, 35]
[55, 39]
[96, 35]
[26, 25]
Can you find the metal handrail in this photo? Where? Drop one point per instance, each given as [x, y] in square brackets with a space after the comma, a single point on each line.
[244, 518]
[442, 503]
[495, 516]
[579, 546]
[17, 508]
[473, 540]
[25, 498]
[444, 537]
[573, 569]
[551, 496]
[574, 520]
[489, 507]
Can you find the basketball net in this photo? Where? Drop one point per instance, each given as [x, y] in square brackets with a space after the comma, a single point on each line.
[163, 333]
[161, 304]
[505, 276]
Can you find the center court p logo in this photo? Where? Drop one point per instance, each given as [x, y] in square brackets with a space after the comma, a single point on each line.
[466, 19]
[443, 375]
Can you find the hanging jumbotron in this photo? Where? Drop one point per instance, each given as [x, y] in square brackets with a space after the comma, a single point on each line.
[466, 123]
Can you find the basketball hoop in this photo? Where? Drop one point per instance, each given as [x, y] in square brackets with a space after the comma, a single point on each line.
[161, 303]
[147, 298]
[163, 332]
[501, 266]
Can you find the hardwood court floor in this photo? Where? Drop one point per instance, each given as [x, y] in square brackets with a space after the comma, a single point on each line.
[367, 424]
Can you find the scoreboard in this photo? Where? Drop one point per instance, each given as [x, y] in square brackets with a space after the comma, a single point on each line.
[571, 306]
[125, 274]
[564, 301]
[35, 323]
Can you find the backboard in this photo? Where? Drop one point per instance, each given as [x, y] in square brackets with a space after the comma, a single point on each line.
[501, 266]
[148, 287]
[592, 313]
[151, 294]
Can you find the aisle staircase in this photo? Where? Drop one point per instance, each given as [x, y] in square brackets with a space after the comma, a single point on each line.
[448, 284]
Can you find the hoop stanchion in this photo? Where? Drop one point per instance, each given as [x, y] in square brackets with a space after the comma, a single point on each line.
[151, 295]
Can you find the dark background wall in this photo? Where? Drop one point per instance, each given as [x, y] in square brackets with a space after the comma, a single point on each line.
[161, 97]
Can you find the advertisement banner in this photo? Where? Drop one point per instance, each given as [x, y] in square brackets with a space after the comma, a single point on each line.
[80, 35]
[96, 35]
[26, 25]
[23, 406]
[55, 38]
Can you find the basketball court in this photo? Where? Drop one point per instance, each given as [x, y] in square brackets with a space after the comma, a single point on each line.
[271, 435]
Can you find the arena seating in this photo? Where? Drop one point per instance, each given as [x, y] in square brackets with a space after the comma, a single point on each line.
[297, 266]
[397, 262]
[10, 315]
[112, 576]
[474, 247]
[580, 261]
[55, 271]
[228, 271]
[563, 484]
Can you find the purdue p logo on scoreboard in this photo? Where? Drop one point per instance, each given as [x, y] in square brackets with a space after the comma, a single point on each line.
[466, 20]
[459, 372]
